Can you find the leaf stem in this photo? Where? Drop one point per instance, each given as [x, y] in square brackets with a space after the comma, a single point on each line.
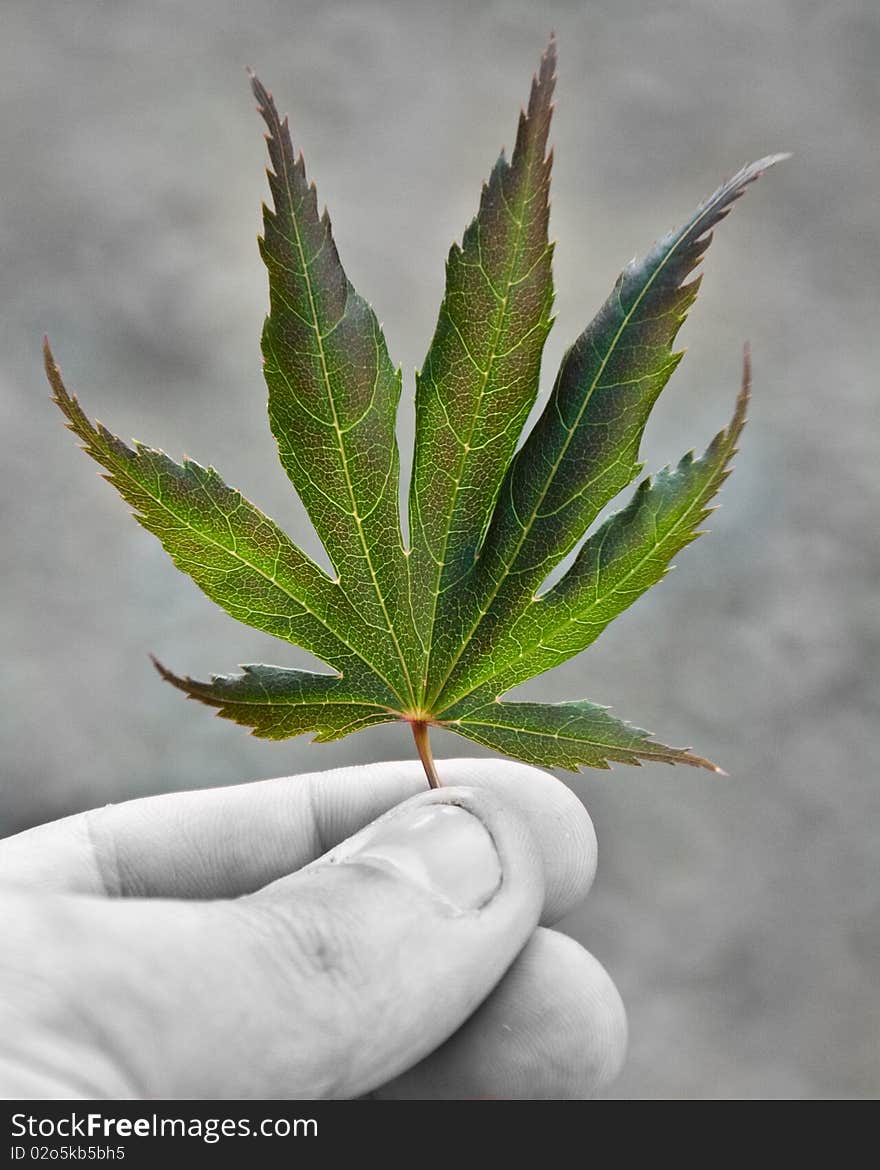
[423, 744]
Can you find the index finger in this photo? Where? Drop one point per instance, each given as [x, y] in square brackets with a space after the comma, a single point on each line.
[226, 842]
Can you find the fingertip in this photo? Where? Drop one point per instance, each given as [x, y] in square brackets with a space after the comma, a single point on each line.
[553, 1029]
[578, 1029]
[557, 819]
[403, 834]
[602, 1019]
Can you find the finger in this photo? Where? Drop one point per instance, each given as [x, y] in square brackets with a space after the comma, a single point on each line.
[224, 842]
[326, 984]
[553, 1029]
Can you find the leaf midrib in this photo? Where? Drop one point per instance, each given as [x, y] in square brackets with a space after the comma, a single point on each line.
[299, 704]
[465, 448]
[556, 733]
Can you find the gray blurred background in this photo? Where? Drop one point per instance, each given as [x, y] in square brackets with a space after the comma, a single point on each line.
[740, 917]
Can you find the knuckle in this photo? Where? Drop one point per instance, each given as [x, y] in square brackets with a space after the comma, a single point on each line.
[315, 960]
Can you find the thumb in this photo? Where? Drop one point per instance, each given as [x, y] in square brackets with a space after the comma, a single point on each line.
[405, 928]
[327, 983]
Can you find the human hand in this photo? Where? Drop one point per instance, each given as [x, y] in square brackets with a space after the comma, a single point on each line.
[276, 940]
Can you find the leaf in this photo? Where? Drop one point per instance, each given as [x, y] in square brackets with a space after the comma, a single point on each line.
[567, 735]
[239, 557]
[436, 633]
[584, 448]
[628, 554]
[333, 396]
[277, 703]
[480, 376]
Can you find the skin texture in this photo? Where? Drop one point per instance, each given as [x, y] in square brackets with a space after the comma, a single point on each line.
[255, 942]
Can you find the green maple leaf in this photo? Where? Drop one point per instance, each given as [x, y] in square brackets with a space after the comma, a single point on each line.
[437, 630]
